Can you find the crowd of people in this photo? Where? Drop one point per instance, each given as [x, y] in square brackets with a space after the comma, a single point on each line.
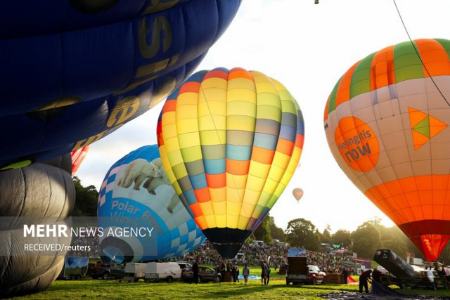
[275, 256]
[331, 262]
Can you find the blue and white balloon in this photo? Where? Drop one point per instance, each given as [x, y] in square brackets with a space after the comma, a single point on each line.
[136, 194]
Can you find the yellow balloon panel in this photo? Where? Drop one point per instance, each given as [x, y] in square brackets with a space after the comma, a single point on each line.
[239, 145]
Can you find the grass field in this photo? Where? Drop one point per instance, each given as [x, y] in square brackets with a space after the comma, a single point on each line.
[111, 289]
[88, 289]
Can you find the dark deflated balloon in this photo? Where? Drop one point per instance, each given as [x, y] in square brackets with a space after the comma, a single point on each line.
[42, 193]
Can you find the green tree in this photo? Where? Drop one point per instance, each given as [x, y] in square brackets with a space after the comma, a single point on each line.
[325, 236]
[275, 231]
[302, 233]
[263, 231]
[86, 199]
[366, 239]
[268, 231]
[342, 237]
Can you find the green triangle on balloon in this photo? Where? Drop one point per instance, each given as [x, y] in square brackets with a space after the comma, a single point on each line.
[423, 127]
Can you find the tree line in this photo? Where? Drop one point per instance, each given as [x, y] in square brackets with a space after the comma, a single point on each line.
[365, 240]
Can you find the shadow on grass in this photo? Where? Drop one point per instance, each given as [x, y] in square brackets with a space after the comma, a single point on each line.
[241, 290]
[328, 287]
[81, 285]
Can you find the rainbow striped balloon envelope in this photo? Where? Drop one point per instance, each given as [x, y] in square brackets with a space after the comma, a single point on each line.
[386, 122]
[230, 141]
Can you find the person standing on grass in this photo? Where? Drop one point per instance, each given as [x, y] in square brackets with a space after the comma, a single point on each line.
[263, 274]
[245, 273]
[364, 281]
[430, 276]
[267, 273]
[236, 272]
[195, 271]
[233, 272]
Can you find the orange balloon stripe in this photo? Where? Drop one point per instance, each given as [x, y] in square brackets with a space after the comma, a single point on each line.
[239, 73]
[285, 146]
[383, 71]
[190, 87]
[237, 167]
[170, 105]
[299, 140]
[262, 155]
[202, 194]
[216, 180]
[343, 90]
[428, 196]
[216, 74]
[433, 55]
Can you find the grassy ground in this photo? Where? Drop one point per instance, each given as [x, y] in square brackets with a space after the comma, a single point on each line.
[110, 289]
[89, 289]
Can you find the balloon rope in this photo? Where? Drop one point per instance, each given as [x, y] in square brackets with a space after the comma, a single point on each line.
[418, 54]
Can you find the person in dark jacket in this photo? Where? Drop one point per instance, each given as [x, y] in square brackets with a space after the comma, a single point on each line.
[195, 271]
[245, 272]
[236, 272]
[364, 281]
[267, 273]
[344, 275]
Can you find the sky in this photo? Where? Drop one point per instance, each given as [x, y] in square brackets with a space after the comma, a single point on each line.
[307, 47]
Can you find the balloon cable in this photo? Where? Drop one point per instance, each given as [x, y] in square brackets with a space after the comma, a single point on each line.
[418, 54]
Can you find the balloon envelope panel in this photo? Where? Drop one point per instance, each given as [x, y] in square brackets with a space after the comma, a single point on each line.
[75, 70]
[230, 141]
[127, 201]
[386, 123]
[78, 156]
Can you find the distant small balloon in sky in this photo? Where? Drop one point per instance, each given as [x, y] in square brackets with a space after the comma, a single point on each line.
[298, 193]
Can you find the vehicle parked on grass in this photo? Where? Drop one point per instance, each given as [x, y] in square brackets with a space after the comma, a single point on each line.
[205, 274]
[299, 272]
[168, 271]
[134, 271]
[183, 265]
[99, 270]
[315, 276]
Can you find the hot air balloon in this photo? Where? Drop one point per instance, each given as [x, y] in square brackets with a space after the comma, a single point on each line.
[386, 123]
[78, 156]
[230, 140]
[37, 194]
[136, 193]
[297, 193]
[73, 71]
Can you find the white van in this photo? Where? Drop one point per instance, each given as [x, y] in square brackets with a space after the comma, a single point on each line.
[134, 271]
[167, 271]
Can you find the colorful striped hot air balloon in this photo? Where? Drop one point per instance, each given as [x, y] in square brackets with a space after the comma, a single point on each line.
[230, 141]
[78, 156]
[386, 123]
